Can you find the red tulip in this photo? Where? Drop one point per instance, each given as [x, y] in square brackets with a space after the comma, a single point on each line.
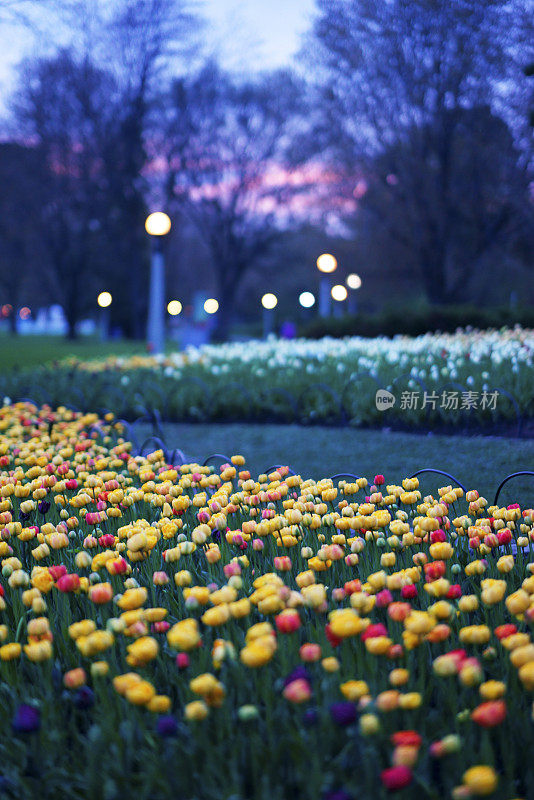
[378, 629]
[68, 583]
[57, 572]
[409, 592]
[288, 621]
[383, 598]
[489, 714]
[406, 739]
[505, 536]
[502, 631]
[435, 570]
[396, 778]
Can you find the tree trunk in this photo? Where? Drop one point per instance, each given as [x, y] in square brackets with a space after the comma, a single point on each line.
[13, 321]
[226, 304]
[71, 328]
[434, 275]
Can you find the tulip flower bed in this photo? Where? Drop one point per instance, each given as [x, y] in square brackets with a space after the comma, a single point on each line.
[437, 379]
[182, 632]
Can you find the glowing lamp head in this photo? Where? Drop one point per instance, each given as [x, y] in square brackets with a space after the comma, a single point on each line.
[354, 281]
[269, 300]
[307, 299]
[158, 223]
[327, 263]
[174, 308]
[104, 299]
[211, 306]
[339, 292]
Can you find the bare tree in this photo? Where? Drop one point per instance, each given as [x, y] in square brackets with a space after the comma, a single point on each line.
[65, 106]
[23, 264]
[91, 121]
[227, 157]
[397, 80]
[145, 36]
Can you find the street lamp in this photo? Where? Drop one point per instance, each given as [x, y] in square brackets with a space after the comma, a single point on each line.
[211, 306]
[339, 293]
[354, 282]
[326, 264]
[157, 225]
[269, 302]
[104, 300]
[306, 299]
[174, 307]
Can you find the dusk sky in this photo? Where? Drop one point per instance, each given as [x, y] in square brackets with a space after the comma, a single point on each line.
[248, 35]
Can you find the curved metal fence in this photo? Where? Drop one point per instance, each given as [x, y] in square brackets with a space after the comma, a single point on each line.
[177, 457]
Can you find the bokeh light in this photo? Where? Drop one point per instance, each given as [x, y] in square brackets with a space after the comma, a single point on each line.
[339, 292]
[104, 299]
[158, 223]
[7, 308]
[306, 299]
[269, 300]
[211, 306]
[354, 281]
[25, 312]
[327, 262]
[174, 307]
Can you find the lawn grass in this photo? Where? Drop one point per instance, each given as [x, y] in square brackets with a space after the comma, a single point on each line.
[33, 350]
[479, 462]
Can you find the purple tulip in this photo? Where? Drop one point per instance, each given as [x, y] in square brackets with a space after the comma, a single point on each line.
[84, 698]
[43, 506]
[27, 719]
[167, 726]
[310, 717]
[343, 713]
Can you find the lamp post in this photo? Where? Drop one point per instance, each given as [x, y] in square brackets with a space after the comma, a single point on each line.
[353, 282]
[326, 264]
[211, 305]
[104, 301]
[174, 308]
[306, 302]
[157, 225]
[269, 302]
[339, 294]
[306, 299]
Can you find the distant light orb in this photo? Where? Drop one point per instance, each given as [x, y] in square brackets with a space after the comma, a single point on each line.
[269, 300]
[326, 263]
[7, 308]
[307, 299]
[339, 292]
[25, 312]
[158, 223]
[104, 299]
[354, 281]
[174, 308]
[211, 306]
